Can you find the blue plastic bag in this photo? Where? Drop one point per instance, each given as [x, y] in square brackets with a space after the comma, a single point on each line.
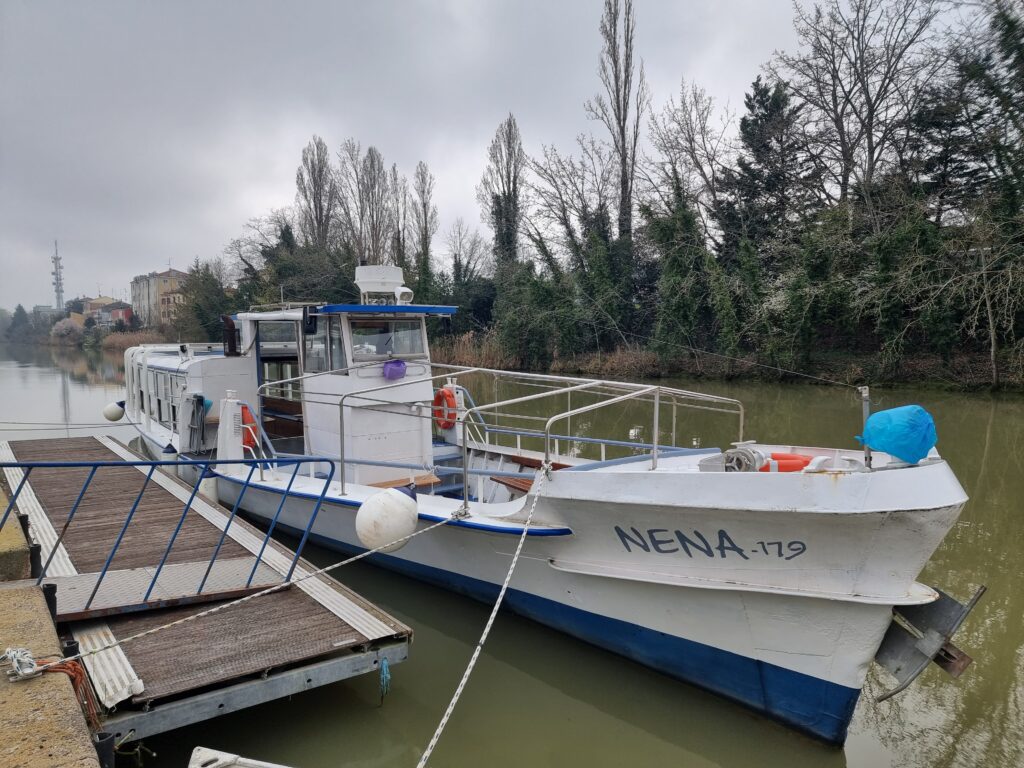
[907, 433]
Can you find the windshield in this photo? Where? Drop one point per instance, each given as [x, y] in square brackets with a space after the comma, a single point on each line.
[382, 338]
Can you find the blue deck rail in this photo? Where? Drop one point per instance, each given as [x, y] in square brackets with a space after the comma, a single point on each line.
[203, 468]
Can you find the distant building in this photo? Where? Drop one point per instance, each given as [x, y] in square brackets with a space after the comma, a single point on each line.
[119, 310]
[45, 310]
[154, 296]
[168, 304]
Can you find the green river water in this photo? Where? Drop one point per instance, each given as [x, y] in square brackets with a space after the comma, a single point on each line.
[539, 698]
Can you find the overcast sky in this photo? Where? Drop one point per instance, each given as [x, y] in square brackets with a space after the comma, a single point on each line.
[142, 133]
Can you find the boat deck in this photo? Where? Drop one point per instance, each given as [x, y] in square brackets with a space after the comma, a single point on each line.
[315, 621]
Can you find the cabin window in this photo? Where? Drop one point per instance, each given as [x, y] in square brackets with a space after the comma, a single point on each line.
[316, 349]
[279, 356]
[337, 342]
[277, 335]
[376, 339]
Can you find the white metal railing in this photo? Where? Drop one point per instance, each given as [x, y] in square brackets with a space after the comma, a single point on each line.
[475, 428]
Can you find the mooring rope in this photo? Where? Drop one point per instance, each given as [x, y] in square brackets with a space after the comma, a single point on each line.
[546, 467]
[247, 598]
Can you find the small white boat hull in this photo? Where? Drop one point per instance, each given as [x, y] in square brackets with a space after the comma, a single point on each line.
[788, 635]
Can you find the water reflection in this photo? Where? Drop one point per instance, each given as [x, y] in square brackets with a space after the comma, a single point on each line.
[58, 392]
[540, 698]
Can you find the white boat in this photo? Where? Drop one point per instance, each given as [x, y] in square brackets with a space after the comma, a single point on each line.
[773, 588]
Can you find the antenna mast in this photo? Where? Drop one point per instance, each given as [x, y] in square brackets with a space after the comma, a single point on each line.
[58, 278]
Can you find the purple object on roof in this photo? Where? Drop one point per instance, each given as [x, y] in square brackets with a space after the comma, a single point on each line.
[394, 369]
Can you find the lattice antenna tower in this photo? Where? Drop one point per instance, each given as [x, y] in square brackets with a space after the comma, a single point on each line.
[58, 278]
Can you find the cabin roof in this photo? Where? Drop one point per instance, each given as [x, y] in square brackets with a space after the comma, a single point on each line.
[389, 309]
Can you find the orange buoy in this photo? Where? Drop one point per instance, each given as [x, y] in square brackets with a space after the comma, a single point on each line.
[445, 408]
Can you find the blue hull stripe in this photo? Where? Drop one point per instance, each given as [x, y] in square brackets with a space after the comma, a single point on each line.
[817, 707]
[512, 530]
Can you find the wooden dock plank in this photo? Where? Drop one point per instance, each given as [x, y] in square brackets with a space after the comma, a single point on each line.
[269, 632]
[105, 507]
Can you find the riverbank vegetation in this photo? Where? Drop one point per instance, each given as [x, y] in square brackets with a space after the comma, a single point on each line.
[861, 217]
[38, 329]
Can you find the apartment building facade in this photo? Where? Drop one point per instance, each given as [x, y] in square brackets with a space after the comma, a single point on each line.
[155, 296]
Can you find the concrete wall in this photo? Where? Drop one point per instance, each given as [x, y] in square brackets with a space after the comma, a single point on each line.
[40, 719]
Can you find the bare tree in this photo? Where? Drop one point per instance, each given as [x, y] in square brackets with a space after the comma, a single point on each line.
[861, 72]
[424, 223]
[350, 202]
[500, 192]
[365, 203]
[622, 106]
[567, 193]
[375, 191]
[401, 205]
[468, 252]
[692, 141]
[316, 194]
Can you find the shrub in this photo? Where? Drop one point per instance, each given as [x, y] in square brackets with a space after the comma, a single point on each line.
[66, 333]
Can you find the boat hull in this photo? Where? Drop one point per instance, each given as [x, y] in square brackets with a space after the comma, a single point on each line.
[799, 660]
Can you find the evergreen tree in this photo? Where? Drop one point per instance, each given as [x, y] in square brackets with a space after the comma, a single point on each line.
[20, 327]
[204, 302]
[676, 236]
[997, 70]
[947, 159]
[770, 189]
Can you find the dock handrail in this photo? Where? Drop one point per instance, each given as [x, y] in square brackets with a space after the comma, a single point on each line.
[203, 466]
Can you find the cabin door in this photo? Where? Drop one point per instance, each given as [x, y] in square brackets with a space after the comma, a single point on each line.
[279, 363]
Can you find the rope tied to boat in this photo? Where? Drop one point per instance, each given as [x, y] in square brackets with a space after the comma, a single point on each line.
[545, 474]
[22, 663]
[247, 598]
[24, 666]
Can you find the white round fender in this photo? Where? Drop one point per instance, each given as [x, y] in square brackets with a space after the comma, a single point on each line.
[114, 411]
[386, 516]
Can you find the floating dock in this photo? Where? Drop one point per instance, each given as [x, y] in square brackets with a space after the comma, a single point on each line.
[131, 547]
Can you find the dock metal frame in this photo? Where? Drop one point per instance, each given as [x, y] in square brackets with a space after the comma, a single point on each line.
[159, 718]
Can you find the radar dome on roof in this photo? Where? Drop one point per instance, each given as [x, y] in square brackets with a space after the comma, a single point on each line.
[382, 284]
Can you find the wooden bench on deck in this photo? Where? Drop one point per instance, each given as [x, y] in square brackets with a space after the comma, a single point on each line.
[421, 481]
[525, 483]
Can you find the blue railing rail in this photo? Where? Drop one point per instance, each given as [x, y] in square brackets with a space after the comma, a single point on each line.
[204, 468]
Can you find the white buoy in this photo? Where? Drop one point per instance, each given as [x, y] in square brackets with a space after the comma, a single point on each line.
[113, 411]
[385, 517]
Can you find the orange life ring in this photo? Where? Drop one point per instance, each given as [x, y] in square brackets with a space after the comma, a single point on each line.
[248, 428]
[445, 408]
[787, 462]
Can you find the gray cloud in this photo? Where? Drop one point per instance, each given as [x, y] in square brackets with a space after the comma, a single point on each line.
[137, 133]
